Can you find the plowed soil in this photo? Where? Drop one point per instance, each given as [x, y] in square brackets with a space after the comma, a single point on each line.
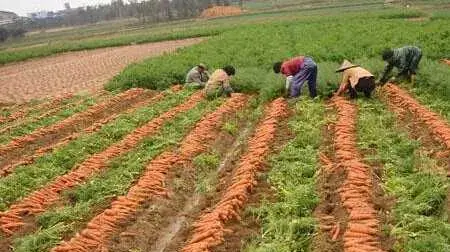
[74, 72]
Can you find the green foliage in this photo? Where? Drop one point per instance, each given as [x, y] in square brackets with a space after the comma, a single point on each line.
[122, 172]
[288, 225]
[205, 170]
[282, 39]
[419, 220]
[29, 177]
[8, 56]
[29, 127]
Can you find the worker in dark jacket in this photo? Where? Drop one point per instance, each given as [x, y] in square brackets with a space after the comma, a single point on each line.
[297, 71]
[405, 59]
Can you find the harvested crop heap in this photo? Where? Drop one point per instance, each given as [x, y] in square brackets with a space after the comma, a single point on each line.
[151, 183]
[209, 230]
[362, 230]
[400, 100]
[221, 11]
[37, 201]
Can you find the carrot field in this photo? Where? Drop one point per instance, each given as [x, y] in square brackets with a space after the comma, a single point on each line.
[149, 165]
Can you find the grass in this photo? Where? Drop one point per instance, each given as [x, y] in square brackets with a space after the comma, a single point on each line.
[288, 225]
[30, 177]
[95, 195]
[419, 216]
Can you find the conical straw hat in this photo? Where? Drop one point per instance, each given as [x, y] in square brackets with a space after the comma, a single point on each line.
[346, 65]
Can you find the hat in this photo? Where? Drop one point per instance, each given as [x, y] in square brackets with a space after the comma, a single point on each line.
[203, 66]
[346, 65]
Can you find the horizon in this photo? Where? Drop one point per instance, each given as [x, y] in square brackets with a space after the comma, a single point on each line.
[25, 7]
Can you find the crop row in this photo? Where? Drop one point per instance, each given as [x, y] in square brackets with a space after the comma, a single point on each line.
[209, 230]
[151, 183]
[37, 201]
[356, 193]
[94, 128]
[69, 125]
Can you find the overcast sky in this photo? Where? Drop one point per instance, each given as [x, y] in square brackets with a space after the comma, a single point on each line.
[22, 7]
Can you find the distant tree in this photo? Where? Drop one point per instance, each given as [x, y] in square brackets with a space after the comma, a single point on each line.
[67, 6]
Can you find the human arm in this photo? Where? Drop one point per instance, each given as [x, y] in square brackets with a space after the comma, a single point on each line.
[288, 84]
[344, 84]
[385, 75]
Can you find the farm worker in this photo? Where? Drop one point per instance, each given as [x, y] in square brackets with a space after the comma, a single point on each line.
[197, 76]
[355, 79]
[406, 59]
[298, 70]
[219, 83]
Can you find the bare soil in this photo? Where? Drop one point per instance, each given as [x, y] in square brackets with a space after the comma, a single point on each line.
[76, 71]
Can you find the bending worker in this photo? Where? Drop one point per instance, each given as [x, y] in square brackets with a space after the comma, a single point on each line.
[405, 59]
[219, 83]
[197, 76]
[355, 79]
[298, 70]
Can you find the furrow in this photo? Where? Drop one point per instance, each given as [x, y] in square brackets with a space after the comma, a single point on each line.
[210, 229]
[151, 184]
[39, 200]
[356, 192]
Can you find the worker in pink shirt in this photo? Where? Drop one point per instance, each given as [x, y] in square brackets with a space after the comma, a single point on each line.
[297, 71]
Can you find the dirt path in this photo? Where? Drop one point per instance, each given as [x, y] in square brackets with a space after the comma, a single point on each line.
[74, 72]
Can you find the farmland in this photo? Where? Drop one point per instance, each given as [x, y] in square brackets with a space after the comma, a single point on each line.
[147, 165]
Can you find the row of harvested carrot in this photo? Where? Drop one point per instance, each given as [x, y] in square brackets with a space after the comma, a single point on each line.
[210, 229]
[51, 111]
[38, 201]
[401, 100]
[21, 113]
[7, 169]
[151, 184]
[72, 121]
[356, 192]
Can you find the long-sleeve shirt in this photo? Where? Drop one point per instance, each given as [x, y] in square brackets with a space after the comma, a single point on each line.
[351, 77]
[292, 67]
[219, 79]
[195, 76]
[401, 60]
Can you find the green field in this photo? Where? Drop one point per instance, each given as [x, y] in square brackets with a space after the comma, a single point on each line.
[408, 164]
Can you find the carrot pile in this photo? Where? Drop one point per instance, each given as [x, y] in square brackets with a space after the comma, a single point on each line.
[37, 201]
[151, 184]
[446, 61]
[6, 169]
[209, 230]
[71, 122]
[22, 113]
[362, 231]
[401, 100]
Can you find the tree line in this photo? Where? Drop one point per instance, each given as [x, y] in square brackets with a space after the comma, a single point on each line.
[145, 11]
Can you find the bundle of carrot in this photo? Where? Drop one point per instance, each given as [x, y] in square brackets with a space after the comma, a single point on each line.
[362, 231]
[209, 230]
[69, 122]
[151, 184]
[400, 99]
[5, 170]
[37, 201]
